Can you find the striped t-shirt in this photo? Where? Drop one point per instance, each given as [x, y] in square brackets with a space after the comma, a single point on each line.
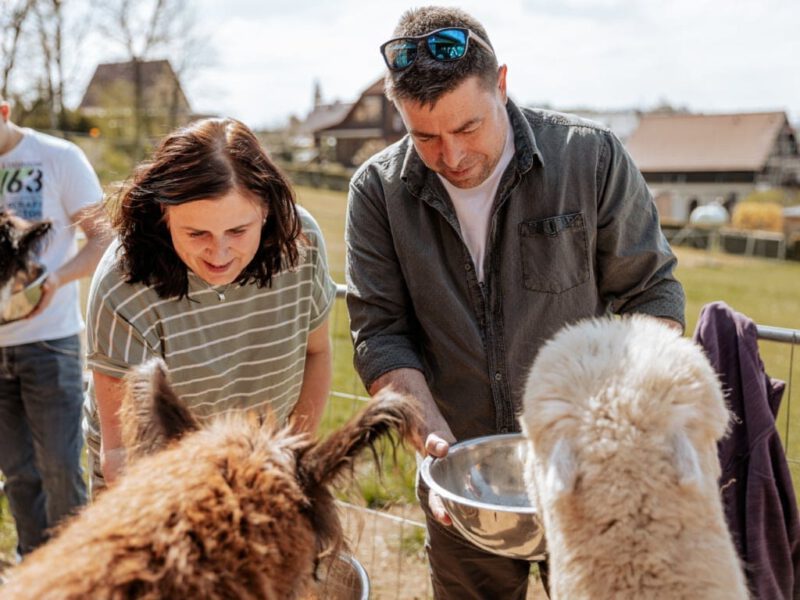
[226, 347]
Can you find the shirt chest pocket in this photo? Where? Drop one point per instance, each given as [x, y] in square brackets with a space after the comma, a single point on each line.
[554, 253]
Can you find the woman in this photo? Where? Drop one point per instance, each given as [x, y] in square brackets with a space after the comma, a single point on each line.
[219, 273]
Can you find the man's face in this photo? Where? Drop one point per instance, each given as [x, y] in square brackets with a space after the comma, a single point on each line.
[217, 238]
[462, 137]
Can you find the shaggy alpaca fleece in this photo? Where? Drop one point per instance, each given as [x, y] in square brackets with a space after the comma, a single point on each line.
[237, 509]
[623, 418]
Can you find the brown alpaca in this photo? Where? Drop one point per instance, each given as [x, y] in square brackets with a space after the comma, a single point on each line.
[235, 509]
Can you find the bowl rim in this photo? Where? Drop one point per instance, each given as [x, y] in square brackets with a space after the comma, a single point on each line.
[360, 571]
[36, 282]
[425, 473]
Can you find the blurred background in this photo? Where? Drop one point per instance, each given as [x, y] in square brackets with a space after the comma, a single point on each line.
[705, 95]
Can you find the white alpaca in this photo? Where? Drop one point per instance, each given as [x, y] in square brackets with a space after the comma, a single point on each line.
[622, 418]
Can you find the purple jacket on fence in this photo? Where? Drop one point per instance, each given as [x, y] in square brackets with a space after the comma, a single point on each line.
[757, 493]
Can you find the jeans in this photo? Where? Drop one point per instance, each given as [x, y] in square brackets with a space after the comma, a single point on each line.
[41, 393]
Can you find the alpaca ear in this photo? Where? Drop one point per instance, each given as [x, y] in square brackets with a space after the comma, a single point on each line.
[33, 236]
[561, 469]
[152, 415]
[687, 462]
[388, 412]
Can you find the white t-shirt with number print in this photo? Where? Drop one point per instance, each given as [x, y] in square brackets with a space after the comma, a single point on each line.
[44, 177]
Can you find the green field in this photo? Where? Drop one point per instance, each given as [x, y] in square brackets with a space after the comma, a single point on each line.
[765, 290]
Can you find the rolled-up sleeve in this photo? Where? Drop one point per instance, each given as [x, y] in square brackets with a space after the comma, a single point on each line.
[635, 263]
[382, 320]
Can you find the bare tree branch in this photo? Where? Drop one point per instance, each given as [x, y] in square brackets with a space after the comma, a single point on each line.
[143, 29]
[13, 17]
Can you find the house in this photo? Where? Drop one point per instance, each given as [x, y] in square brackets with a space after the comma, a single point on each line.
[308, 143]
[349, 133]
[111, 95]
[693, 159]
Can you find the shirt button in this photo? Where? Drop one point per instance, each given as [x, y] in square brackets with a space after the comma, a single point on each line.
[467, 267]
[498, 376]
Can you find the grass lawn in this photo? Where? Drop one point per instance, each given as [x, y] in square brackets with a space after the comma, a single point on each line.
[765, 290]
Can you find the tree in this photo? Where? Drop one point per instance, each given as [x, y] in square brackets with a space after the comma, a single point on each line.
[14, 15]
[142, 28]
[50, 27]
[40, 41]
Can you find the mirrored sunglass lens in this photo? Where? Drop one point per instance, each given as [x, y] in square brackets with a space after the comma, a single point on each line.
[448, 44]
[400, 54]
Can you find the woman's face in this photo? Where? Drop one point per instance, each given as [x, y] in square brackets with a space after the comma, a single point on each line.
[217, 237]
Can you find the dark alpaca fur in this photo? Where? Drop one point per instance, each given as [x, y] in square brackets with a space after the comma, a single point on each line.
[19, 241]
[237, 508]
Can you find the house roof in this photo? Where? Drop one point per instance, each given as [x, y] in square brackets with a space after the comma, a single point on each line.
[152, 71]
[695, 142]
[333, 119]
[374, 89]
[325, 115]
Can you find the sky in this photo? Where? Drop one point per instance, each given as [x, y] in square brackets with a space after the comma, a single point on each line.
[259, 60]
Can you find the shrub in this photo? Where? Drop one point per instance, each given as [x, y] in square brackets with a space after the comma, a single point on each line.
[765, 216]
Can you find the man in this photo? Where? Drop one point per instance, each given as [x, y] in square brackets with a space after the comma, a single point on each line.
[41, 383]
[472, 240]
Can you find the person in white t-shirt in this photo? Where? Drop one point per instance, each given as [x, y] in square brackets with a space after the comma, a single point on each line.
[41, 382]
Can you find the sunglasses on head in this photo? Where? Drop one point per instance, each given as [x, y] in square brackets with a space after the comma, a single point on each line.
[445, 45]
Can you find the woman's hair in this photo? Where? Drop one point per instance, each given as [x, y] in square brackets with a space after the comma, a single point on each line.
[206, 159]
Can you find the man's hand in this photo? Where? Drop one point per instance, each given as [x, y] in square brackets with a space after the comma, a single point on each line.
[49, 287]
[436, 445]
[93, 222]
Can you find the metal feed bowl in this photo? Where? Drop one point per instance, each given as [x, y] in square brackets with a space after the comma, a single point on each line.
[482, 486]
[23, 301]
[343, 578]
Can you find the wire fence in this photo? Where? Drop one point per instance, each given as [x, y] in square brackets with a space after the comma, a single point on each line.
[389, 542]
[791, 337]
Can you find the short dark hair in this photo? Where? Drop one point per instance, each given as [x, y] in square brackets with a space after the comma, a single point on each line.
[206, 159]
[427, 80]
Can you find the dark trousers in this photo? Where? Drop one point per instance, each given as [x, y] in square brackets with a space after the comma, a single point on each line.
[41, 393]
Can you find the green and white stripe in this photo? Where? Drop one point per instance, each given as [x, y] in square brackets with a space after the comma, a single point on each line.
[244, 351]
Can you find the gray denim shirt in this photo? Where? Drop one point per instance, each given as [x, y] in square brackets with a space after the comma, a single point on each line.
[574, 233]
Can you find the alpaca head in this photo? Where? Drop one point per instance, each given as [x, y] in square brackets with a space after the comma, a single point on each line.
[19, 242]
[235, 507]
[614, 395]
[282, 481]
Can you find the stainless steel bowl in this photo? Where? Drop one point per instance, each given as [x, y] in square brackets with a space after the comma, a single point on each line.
[22, 303]
[482, 487]
[343, 578]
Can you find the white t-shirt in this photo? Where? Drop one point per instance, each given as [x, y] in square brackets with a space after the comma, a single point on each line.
[474, 205]
[44, 177]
